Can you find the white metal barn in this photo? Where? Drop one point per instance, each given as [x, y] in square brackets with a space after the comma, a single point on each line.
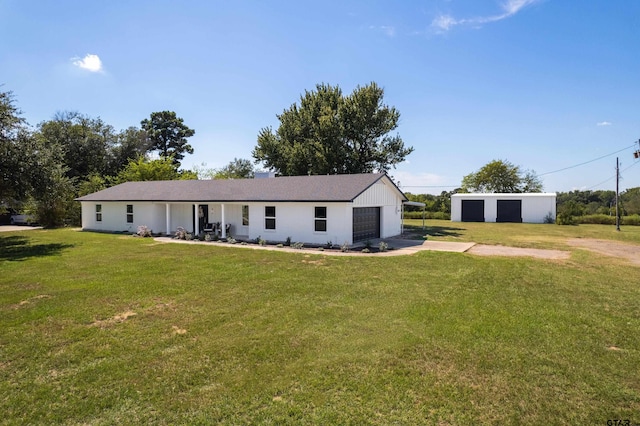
[309, 209]
[494, 207]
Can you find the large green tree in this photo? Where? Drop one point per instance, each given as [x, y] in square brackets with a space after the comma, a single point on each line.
[168, 135]
[332, 133]
[501, 176]
[131, 144]
[239, 168]
[143, 169]
[86, 143]
[17, 161]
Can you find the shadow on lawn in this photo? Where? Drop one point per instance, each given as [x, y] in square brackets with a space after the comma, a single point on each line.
[17, 247]
[443, 231]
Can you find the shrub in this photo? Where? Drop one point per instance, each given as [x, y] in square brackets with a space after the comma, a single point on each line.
[280, 245]
[428, 215]
[367, 244]
[188, 236]
[329, 244]
[567, 213]
[143, 231]
[383, 246]
[549, 218]
[262, 242]
[366, 250]
[180, 233]
[288, 242]
[231, 240]
[600, 219]
[207, 237]
[298, 246]
[344, 247]
[633, 220]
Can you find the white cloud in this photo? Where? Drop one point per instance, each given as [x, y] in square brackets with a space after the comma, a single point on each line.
[387, 30]
[604, 123]
[444, 23]
[90, 63]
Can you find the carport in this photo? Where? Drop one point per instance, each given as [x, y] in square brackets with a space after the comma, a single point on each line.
[415, 204]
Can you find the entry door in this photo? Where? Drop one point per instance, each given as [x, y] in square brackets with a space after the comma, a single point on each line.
[509, 211]
[473, 210]
[366, 223]
[203, 216]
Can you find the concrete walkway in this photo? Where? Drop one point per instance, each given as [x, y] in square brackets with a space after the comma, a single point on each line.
[399, 247]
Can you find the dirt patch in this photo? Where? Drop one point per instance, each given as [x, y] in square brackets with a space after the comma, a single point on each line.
[113, 320]
[617, 249]
[177, 330]
[488, 250]
[29, 301]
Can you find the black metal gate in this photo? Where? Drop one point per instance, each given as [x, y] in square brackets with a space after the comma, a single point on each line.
[366, 223]
[473, 210]
[509, 211]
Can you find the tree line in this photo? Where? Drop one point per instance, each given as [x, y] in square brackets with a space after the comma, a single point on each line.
[502, 176]
[44, 168]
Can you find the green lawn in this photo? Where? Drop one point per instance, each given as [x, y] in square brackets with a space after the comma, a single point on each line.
[111, 329]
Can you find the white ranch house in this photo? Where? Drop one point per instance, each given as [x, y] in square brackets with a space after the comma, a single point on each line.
[309, 209]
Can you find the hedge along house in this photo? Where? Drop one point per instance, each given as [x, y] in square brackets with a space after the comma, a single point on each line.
[309, 209]
[523, 207]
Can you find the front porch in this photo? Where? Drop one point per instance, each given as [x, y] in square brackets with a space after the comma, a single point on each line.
[220, 219]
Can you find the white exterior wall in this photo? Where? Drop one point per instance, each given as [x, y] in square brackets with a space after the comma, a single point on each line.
[382, 195]
[296, 220]
[114, 216]
[535, 206]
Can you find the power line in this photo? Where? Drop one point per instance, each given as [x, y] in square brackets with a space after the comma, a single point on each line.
[547, 173]
[635, 163]
[430, 186]
[587, 162]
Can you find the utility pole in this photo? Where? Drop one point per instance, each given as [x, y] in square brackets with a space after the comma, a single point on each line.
[617, 196]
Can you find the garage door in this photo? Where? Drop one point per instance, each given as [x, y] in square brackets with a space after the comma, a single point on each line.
[509, 211]
[473, 210]
[366, 223]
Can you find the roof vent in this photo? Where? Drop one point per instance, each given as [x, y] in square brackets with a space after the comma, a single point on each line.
[264, 175]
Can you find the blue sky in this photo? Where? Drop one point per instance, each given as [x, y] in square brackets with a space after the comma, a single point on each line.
[544, 84]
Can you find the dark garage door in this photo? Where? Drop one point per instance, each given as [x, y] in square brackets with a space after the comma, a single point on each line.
[366, 223]
[509, 211]
[473, 210]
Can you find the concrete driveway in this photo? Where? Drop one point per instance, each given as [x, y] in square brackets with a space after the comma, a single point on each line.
[12, 228]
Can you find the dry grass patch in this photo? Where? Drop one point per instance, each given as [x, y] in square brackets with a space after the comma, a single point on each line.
[116, 319]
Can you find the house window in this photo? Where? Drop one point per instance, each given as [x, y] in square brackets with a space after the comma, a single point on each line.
[98, 212]
[245, 215]
[321, 219]
[129, 213]
[270, 217]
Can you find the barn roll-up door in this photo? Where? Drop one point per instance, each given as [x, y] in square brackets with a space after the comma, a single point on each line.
[473, 210]
[366, 223]
[509, 211]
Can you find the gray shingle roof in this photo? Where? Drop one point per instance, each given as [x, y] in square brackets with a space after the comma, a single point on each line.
[285, 189]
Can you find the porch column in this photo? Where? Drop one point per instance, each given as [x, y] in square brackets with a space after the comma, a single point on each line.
[224, 226]
[168, 218]
[196, 212]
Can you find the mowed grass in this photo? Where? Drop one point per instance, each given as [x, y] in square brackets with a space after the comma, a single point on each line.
[110, 329]
[518, 234]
